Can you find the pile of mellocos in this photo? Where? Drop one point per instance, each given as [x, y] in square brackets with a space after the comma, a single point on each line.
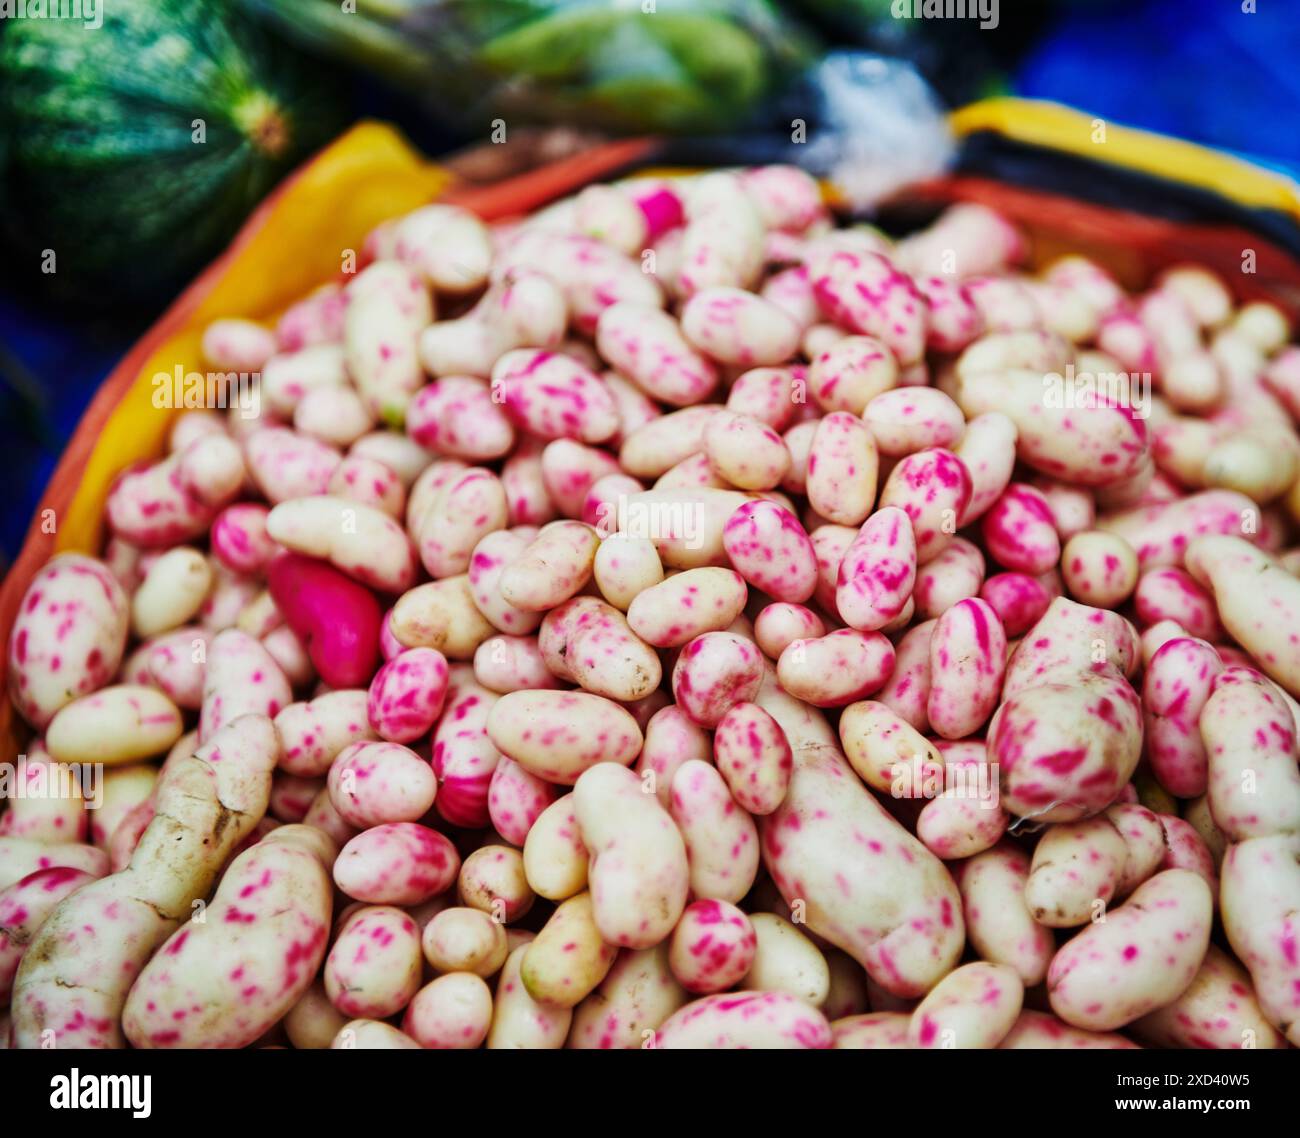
[720, 629]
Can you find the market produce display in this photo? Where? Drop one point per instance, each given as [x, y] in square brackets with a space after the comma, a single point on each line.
[675, 620]
[136, 147]
[677, 65]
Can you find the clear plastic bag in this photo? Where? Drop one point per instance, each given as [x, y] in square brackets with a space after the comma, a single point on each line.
[868, 124]
[879, 126]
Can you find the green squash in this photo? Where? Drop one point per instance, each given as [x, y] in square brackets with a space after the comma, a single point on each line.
[135, 149]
